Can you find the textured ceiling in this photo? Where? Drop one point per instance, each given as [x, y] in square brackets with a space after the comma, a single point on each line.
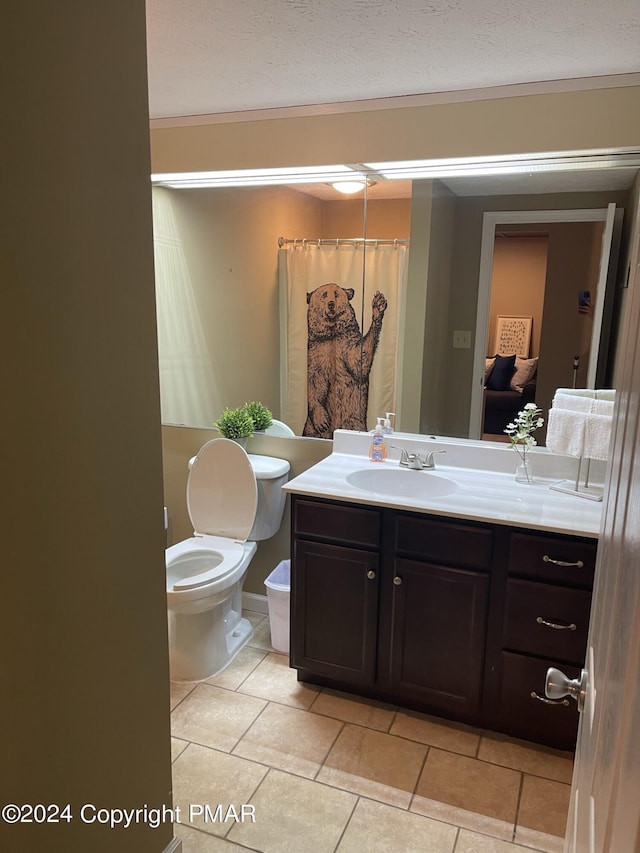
[216, 56]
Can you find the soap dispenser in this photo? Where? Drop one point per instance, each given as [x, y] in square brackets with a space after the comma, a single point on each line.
[378, 447]
[387, 426]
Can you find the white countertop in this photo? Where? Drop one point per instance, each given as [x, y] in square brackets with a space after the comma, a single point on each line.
[487, 493]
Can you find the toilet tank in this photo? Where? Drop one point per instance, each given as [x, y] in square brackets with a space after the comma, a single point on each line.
[271, 474]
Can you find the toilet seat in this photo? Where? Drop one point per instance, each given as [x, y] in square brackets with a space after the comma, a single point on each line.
[222, 498]
[222, 495]
[209, 558]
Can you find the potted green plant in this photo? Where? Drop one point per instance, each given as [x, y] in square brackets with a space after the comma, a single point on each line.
[235, 424]
[259, 414]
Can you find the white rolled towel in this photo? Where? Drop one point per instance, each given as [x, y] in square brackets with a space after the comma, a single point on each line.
[565, 432]
[597, 435]
[572, 402]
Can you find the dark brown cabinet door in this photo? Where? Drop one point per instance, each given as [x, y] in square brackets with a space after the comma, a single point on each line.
[439, 618]
[335, 601]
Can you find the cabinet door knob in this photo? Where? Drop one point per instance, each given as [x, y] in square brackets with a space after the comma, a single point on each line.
[397, 580]
[371, 574]
[547, 559]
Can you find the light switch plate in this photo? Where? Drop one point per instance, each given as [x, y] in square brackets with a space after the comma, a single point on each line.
[461, 340]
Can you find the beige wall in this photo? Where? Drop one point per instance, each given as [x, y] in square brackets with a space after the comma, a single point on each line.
[598, 118]
[230, 242]
[517, 284]
[85, 682]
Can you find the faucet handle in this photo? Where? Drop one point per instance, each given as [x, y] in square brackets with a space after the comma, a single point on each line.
[429, 462]
[404, 456]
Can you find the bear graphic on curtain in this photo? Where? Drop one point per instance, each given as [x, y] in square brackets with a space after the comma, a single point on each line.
[339, 360]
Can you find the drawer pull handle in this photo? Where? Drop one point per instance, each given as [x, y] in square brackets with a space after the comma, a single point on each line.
[534, 695]
[547, 559]
[371, 574]
[397, 580]
[541, 621]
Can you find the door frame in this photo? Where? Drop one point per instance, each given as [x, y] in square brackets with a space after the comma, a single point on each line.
[490, 221]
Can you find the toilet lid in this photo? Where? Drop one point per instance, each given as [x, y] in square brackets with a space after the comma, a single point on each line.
[222, 496]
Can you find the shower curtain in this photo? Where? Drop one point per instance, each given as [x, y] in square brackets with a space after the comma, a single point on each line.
[315, 342]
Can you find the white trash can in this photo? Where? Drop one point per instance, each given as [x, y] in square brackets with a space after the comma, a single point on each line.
[278, 586]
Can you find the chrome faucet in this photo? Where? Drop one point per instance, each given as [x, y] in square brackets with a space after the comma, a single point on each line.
[415, 461]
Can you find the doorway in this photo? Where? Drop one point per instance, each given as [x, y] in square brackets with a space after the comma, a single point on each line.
[566, 272]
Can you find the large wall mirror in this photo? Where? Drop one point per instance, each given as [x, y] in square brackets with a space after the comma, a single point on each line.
[231, 329]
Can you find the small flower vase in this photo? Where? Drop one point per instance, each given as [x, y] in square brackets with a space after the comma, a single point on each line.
[241, 441]
[524, 473]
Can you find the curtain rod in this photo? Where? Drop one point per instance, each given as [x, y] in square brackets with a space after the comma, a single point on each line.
[339, 241]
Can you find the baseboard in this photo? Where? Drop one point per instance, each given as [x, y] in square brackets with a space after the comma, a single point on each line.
[174, 846]
[255, 602]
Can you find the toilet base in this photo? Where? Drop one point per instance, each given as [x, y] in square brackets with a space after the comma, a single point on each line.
[203, 644]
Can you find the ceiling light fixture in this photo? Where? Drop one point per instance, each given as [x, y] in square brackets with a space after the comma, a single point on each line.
[352, 185]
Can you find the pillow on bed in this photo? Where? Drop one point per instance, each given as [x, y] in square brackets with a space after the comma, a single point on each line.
[525, 371]
[500, 376]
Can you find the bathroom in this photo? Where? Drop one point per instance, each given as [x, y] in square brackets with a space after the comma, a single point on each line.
[89, 723]
[264, 215]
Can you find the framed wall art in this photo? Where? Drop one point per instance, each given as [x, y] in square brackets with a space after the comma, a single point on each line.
[513, 335]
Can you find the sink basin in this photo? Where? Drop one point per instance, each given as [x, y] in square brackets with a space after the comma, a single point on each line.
[401, 482]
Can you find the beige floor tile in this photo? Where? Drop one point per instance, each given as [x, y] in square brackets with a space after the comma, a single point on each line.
[275, 680]
[179, 689]
[254, 617]
[261, 636]
[289, 739]
[207, 777]
[194, 841]
[544, 805]
[215, 717]
[295, 815]
[538, 840]
[434, 732]
[354, 709]
[463, 817]
[528, 757]
[177, 746]
[472, 842]
[240, 667]
[469, 784]
[378, 828]
[374, 764]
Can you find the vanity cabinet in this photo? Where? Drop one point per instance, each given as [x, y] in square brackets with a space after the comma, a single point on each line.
[546, 621]
[455, 618]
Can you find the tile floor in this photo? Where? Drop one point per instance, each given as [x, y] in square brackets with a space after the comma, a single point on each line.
[326, 771]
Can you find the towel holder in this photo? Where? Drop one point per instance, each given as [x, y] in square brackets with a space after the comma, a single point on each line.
[584, 490]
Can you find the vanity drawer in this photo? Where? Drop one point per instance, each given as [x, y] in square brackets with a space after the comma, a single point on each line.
[468, 546]
[348, 525]
[543, 557]
[525, 710]
[533, 609]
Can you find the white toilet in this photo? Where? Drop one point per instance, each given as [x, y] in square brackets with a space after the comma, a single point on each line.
[233, 501]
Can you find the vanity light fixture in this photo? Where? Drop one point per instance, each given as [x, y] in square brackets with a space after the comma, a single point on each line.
[505, 165]
[255, 177]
